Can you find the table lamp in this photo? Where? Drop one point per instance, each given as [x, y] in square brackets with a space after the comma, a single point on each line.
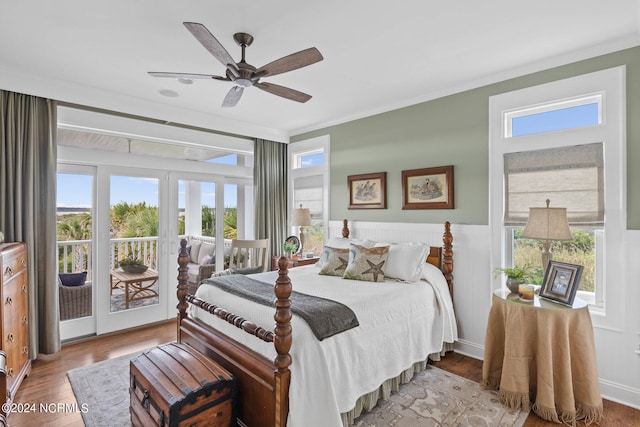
[547, 224]
[302, 218]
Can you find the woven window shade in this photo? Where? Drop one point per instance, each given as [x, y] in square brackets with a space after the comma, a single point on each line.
[571, 177]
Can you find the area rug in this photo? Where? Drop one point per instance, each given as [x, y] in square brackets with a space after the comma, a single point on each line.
[433, 397]
[118, 300]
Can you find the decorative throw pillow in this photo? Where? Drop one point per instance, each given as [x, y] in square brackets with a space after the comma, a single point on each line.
[73, 279]
[405, 261]
[195, 251]
[206, 250]
[366, 263]
[334, 261]
[343, 243]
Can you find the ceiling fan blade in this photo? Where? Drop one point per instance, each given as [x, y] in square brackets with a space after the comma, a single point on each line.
[291, 62]
[284, 92]
[209, 42]
[186, 76]
[232, 97]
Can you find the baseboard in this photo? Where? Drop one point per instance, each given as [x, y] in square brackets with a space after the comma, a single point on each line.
[620, 393]
[469, 349]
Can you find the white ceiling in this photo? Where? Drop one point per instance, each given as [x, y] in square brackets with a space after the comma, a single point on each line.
[378, 55]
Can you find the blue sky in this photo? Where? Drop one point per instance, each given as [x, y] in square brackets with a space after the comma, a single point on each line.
[74, 190]
[563, 118]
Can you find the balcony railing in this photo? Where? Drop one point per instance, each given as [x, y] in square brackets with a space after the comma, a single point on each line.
[76, 255]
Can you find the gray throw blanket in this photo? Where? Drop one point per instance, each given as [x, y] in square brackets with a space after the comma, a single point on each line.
[325, 317]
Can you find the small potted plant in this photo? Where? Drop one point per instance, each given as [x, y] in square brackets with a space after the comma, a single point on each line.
[516, 276]
[132, 265]
[289, 248]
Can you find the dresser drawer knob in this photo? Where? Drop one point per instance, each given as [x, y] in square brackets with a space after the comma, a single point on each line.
[10, 372]
[9, 301]
[10, 337]
[24, 320]
[23, 262]
[24, 288]
[25, 350]
[8, 271]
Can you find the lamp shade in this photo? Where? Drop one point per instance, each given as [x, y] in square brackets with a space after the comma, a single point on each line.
[301, 217]
[547, 224]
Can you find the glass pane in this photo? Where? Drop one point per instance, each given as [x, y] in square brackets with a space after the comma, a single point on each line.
[308, 192]
[564, 118]
[305, 160]
[74, 218]
[581, 250]
[196, 208]
[134, 239]
[230, 159]
[230, 211]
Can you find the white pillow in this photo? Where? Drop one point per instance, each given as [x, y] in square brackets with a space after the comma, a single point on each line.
[206, 250]
[405, 260]
[195, 250]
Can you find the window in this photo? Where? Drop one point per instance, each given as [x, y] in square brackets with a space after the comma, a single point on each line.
[570, 177]
[308, 184]
[563, 141]
[554, 116]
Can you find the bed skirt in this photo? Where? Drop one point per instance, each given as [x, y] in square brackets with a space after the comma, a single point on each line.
[368, 401]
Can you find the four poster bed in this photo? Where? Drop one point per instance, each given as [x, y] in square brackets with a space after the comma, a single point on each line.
[321, 381]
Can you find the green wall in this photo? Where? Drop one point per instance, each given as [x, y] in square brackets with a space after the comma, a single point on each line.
[454, 130]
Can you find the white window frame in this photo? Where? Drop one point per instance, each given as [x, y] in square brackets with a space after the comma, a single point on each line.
[310, 146]
[610, 87]
[551, 106]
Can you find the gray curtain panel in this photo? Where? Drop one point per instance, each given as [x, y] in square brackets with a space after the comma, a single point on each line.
[270, 187]
[28, 205]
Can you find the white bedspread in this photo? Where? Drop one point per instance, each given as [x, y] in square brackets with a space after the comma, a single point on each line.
[400, 324]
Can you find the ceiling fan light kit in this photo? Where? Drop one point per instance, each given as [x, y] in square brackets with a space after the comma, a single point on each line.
[242, 74]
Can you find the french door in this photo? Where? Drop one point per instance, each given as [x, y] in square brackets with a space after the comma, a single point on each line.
[107, 215]
[140, 215]
[134, 211]
[76, 226]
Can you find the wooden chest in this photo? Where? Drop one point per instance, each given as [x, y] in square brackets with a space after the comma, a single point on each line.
[175, 385]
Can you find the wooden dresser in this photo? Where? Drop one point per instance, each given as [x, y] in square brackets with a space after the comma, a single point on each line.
[14, 300]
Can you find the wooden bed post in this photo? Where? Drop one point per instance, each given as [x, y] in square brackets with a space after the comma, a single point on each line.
[345, 228]
[282, 341]
[447, 256]
[183, 286]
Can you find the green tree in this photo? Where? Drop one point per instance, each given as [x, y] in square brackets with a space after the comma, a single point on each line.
[142, 223]
[230, 223]
[208, 221]
[74, 227]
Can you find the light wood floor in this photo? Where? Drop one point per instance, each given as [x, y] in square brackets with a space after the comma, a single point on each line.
[48, 382]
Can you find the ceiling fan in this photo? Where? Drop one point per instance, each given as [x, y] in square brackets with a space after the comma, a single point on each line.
[243, 74]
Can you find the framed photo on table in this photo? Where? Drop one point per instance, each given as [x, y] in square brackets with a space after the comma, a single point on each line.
[561, 282]
[428, 188]
[368, 191]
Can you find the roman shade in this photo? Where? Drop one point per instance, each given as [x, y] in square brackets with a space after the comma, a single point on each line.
[570, 177]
